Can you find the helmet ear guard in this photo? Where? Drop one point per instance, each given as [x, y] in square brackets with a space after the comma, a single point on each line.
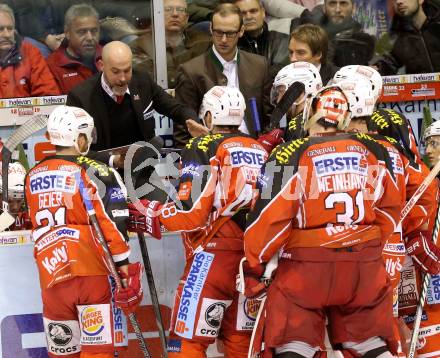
[66, 124]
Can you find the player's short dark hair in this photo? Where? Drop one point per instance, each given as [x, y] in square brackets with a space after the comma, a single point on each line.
[226, 9]
[315, 37]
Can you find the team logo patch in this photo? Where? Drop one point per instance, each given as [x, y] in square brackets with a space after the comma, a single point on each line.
[60, 334]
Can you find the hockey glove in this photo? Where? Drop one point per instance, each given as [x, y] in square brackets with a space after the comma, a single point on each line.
[250, 280]
[270, 140]
[147, 220]
[423, 251]
[129, 297]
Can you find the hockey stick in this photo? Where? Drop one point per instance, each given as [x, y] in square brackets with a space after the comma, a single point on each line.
[295, 90]
[255, 115]
[256, 344]
[31, 126]
[419, 312]
[420, 190]
[153, 292]
[109, 261]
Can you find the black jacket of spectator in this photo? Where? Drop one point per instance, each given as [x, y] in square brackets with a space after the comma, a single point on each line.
[271, 44]
[417, 50]
[349, 45]
[145, 96]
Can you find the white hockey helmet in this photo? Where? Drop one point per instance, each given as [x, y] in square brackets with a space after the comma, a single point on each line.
[16, 176]
[432, 130]
[226, 105]
[66, 123]
[330, 107]
[353, 72]
[360, 96]
[303, 72]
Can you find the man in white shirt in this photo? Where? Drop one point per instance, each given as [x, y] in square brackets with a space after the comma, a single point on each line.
[225, 65]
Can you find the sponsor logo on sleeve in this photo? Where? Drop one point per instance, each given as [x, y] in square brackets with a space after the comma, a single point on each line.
[174, 346]
[433, 295]
[191, 291]
[116, 195]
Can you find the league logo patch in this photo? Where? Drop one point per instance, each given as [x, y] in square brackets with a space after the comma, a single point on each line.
[60, 334]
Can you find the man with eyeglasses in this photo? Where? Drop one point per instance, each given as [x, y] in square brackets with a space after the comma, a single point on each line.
[225, 65]
[79, 55]
[182, 44]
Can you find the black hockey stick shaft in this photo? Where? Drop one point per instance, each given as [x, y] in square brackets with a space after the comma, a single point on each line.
[294, 91]
[110, 262]
[153, 292]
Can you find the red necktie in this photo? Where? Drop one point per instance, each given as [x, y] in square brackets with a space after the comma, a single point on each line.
[119, 99]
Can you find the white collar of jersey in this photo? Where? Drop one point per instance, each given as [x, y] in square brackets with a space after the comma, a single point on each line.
[108, 90]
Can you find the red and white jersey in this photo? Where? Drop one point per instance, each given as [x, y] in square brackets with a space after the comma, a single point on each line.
[65, 244]
[331, 192]
[218, 178]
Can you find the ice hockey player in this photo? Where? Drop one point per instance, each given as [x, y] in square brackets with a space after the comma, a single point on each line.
[411, 235]
[305, 73]
[331, 207]
[16, 175]
[75, 284]
[218, 178]
[428, 344]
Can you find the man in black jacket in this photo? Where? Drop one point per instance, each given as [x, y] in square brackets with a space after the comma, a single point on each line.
[259, 40]
[416, 31]
[122, 105]
[348, 44]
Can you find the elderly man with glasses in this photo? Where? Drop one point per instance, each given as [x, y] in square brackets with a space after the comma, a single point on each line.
[182, 43]
[225, 65]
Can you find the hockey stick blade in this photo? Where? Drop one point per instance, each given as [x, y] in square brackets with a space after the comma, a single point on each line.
[31, 126]
[295, 90]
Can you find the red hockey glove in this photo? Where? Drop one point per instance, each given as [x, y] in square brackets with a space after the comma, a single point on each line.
[424, 253]
[129, 297]
[270, 140]
[249, 280]
[147, 220]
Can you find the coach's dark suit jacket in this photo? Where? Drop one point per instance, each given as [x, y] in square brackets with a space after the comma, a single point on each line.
[203, 72]
[145, 95]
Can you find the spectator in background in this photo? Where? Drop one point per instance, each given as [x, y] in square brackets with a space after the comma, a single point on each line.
[23, 70]
[181, 44]
[309, 43]
[416, 32]
[224, 65]
[122, 105]
[349, 45]
[259, 40]
[77, 57]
